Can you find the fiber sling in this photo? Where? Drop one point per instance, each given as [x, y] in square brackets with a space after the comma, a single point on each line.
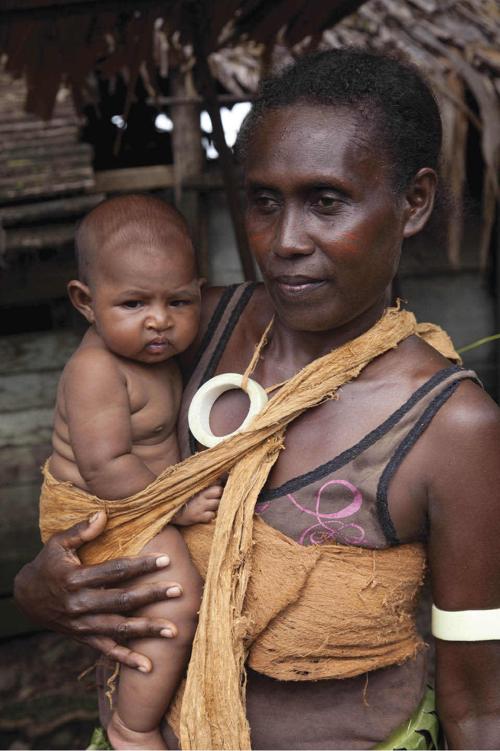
[213, 708]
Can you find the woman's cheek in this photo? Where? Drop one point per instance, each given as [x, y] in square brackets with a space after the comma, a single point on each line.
[351, 244]
[260, 242]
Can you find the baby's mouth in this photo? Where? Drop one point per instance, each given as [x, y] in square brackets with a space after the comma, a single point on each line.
[158, 345]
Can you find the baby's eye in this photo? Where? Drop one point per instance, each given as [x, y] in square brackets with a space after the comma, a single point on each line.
[179, 303]
[132, 304]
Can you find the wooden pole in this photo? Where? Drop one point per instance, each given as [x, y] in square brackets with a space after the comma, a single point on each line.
[187, 152]
[496, 241]
[200, 15]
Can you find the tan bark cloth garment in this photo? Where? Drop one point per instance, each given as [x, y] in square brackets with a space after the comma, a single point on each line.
[213, 706]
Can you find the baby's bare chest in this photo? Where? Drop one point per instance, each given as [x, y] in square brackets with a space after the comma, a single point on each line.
[154, 397]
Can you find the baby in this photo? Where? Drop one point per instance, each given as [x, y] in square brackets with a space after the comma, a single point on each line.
[116, 411]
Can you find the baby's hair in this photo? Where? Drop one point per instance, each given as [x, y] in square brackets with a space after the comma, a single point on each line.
[391, 96]
[123, 217]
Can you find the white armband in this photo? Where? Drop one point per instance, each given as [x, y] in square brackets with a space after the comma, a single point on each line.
[466, 625]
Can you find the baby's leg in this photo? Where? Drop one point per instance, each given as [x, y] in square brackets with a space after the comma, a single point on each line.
[144, 697]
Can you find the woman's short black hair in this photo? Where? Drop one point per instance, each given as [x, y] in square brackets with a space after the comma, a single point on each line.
[392, 97]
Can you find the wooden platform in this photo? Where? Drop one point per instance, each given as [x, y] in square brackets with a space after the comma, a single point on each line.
[30, 365]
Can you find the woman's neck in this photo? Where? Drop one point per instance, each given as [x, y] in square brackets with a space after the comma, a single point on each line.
[295, 349]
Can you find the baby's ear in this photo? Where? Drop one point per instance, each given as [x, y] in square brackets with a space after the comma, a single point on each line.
[81, 297]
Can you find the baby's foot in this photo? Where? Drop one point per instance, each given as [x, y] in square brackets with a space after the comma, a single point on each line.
[201, 508]
[122, 737]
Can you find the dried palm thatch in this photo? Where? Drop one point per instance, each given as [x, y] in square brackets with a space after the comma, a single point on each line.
[456, 42]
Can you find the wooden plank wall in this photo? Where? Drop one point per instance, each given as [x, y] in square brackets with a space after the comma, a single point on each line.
[30, 365]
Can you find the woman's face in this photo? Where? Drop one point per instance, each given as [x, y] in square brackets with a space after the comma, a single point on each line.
[323, 219]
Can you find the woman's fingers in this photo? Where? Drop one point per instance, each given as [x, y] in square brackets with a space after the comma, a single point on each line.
[116, 571]
[79, 534]
[85, 601]
[118, 652]
[122, 629]
[113, 630]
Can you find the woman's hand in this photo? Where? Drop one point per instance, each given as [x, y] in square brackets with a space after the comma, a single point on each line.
[89, 603]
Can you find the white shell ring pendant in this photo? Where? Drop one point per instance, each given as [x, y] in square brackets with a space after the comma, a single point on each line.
[205, 398]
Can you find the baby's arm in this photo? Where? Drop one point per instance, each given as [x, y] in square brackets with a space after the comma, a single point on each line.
[98, 416]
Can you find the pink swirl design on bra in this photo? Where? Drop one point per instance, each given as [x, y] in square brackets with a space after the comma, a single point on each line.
[328, 526]
[262, 506]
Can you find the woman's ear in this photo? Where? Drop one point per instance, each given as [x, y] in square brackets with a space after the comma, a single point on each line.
[81, 297]
[419, 201]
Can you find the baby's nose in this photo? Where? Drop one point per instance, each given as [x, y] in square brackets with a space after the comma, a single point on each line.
[158, 320]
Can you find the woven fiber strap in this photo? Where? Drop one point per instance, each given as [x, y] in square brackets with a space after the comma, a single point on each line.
[213, 709]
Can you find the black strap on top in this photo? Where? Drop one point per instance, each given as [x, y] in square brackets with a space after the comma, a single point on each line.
[212, 326]
[224, 338]
[368, 440]
[228, 330]
[402, 451]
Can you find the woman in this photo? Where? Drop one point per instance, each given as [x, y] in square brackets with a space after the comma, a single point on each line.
[341, 158]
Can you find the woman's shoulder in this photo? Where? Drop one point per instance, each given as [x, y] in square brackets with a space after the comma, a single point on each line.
[468, 416]
[254, 307]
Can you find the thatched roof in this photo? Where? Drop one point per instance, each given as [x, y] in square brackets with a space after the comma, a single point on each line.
[63, 41]
[456, 42]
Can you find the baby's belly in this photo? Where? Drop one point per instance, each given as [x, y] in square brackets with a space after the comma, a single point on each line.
[158, 456]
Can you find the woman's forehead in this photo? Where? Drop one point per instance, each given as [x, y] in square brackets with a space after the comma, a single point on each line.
[313, 139]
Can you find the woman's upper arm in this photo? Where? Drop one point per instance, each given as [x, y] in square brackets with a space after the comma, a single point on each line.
[464, 559]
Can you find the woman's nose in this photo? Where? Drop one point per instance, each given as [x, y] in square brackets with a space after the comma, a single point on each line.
[291, 236]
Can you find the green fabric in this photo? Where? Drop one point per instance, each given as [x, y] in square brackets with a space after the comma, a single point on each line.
[421, 731]
[99, 740]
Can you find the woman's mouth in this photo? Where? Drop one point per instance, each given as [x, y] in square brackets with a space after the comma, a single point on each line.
[294, 286]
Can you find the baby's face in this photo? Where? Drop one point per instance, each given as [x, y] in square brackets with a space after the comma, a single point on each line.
[146, 302]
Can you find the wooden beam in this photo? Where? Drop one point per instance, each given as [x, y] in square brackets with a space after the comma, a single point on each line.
[25, 353]
[188, 154]
[496, 251]
[200, 19]
[59, 208]
[20, 464]
[51, 237]
[186, 99]
[135, 178]
[19, 391]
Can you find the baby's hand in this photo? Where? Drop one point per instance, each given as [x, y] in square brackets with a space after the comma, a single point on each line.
[201, 508]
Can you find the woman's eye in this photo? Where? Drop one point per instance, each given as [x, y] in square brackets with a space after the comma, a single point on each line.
[326, 202]
[264, 202]
[132, 304]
